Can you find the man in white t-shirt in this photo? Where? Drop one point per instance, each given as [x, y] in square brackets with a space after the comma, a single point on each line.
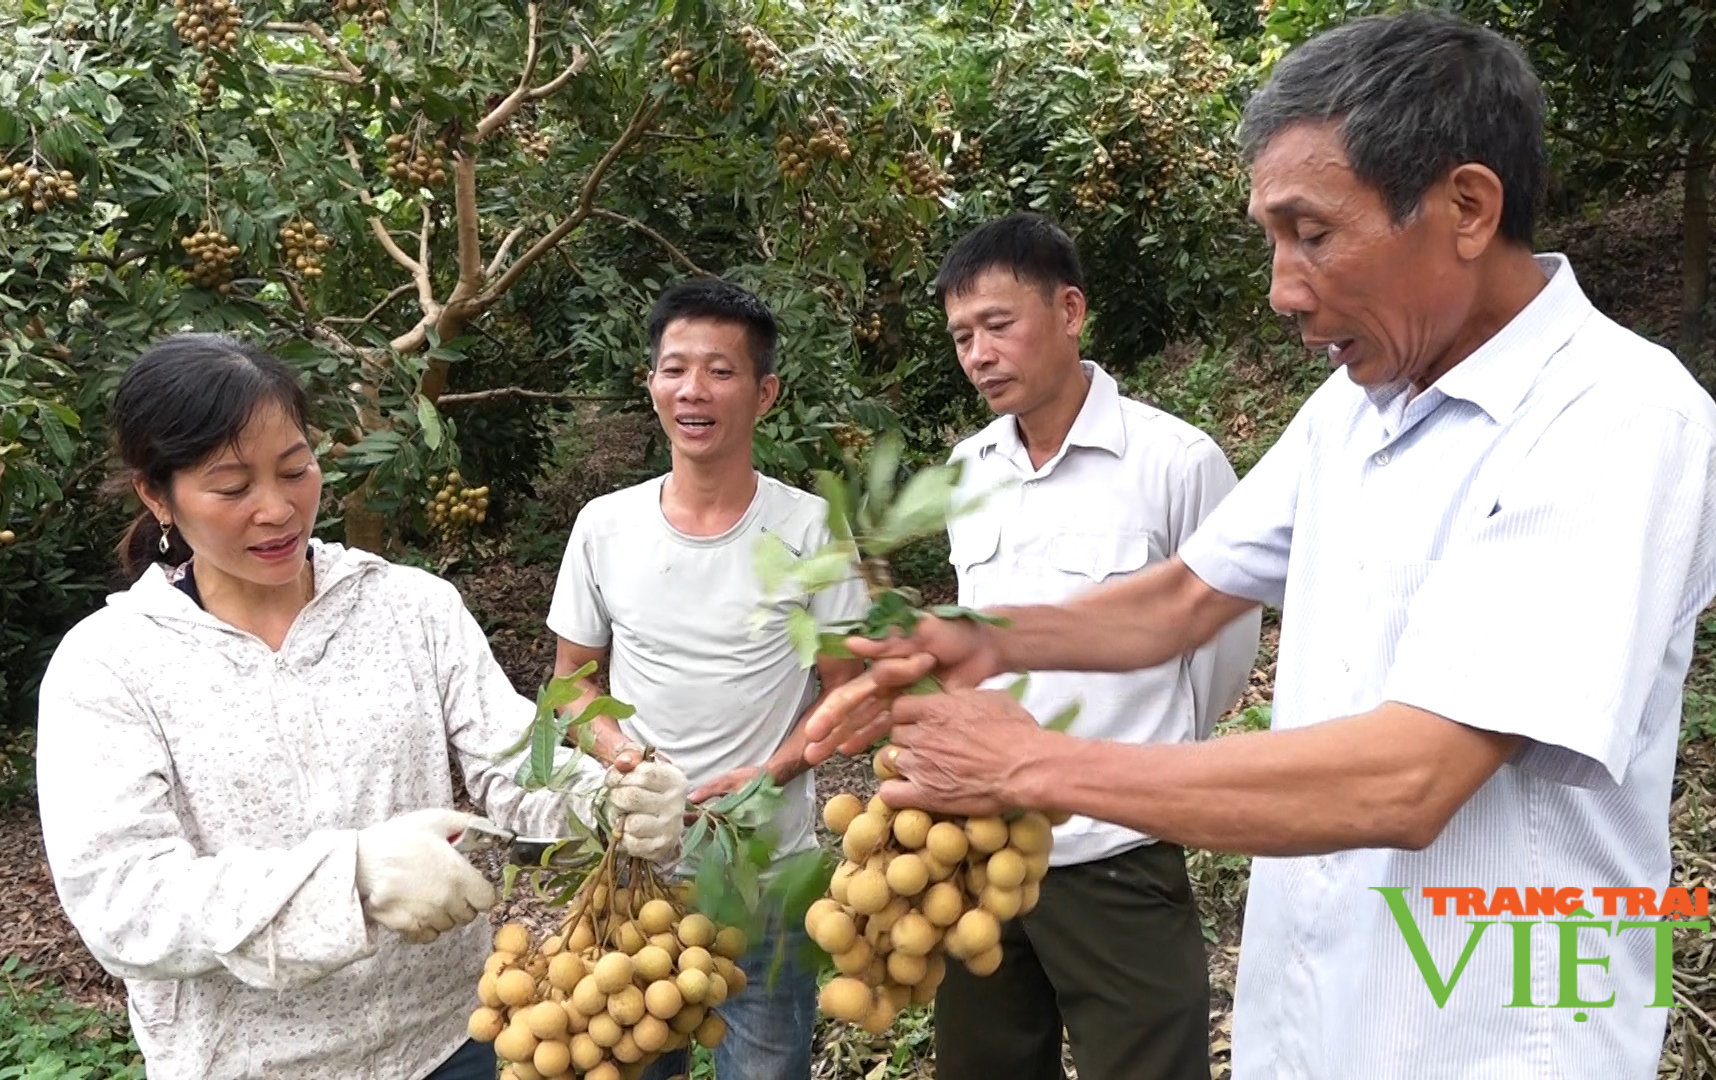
[659, 580]
[1091, 487]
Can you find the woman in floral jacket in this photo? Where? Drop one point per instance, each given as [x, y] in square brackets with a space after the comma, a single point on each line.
[244, 759]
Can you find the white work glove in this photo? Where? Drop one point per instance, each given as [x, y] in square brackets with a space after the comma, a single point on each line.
[412, 881]
[647, 809]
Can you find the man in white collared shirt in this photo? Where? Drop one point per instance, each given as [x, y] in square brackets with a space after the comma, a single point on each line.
[1491, 533]
[1088, 487]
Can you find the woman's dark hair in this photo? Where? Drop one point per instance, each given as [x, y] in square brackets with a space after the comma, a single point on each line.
[182, 401]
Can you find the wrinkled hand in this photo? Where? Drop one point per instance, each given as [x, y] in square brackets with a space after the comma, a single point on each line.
[960, 752]
[410, 880]
[958, 653]
[647, 807]
[727, 782]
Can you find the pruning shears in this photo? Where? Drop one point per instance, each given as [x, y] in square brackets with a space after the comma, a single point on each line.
[482, 835]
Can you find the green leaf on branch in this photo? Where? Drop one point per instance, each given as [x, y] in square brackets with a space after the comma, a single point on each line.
[1064, 719]
[832, 487]
[834, 647]
[430, 421]
[1019, 686]
[773, 563]
[803, 633]
[884, 464]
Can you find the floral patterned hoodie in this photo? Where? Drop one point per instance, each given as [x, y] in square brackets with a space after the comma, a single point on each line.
[201, 796]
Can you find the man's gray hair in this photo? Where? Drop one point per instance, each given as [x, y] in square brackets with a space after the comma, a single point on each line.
[1416, 95]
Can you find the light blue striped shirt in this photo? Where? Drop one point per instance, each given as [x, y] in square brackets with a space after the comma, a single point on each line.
[1524, 547]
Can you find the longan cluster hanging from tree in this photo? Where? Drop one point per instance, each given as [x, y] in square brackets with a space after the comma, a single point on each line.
[212, 256]
[37, 186]
[303, 246]
[411, 163]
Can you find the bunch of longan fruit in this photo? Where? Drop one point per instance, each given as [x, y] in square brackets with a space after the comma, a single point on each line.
[38, 189]
[793, 155]
[629, 976]
[212, 256]
[303, 246]
[678, 64]
[413, 164]
[765, 55]
[923, 176]
[1098, 186]
[914, 889]
[207, 25]
[372, 12]
[455, 508]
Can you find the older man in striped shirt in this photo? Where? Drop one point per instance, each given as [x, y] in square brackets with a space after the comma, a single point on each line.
[1491, 532]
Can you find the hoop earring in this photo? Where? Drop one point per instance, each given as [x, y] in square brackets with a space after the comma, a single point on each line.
[165, 544]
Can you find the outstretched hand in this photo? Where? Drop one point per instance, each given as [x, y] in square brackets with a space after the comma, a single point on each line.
[962, 752]
[958, 653]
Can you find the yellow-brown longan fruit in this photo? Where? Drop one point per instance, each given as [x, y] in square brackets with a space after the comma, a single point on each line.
[880, 1017]
[938, 870]
[486, 1024]
[652, 963]
[546, 1020]
[516, 987]
[880, 809]
[565, 971]
[488, 991]
[516, 1043]
[605, 1030]
[943, 904]
[1036, 867]
[913, 935]
[586, 1053]
[907, 969]
[656, 917]
[651, 1034]
[845, 999]
[552, 1058]
[613, 972]
[907, 875]
[978, 932]
[834, 932]
[711, 1031]
[840, 811]
[885, 919]
[855, 960]
[1002, 903]
[986, 834]
[868, 892]
[688, 1019]
[912, 828]
[513, 938]
[630, 938]
[730, 941]
[693, 986]
[947, 843]
[1006, 869]
[587, 997]
[498, 962]
[731, 974]
[627, 1051]
[696, 929]
[607, 1070]
[1028, 897]
[1031, 834]
[882, 764]
[627, 1006]
[663, 999]
[863, 836]
[697, 958]
[842, 878]
[987, 962]
[583, 936]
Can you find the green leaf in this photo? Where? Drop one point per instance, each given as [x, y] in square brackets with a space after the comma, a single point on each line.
[563, 690]
[1020, 685]
[884, 464]
[431, 422]
[834, 647]
[806, 638]
[54, 432]
[544, 738]
[773, 562]
[922, 509]
[612, 708]
[1063, 719]
[697, 837]
[832, 487]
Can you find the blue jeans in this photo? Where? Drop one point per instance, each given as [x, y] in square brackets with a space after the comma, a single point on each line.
[769, 1030]
[472, 1061]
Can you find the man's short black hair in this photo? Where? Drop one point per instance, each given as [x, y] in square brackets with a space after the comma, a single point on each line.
[1416, 95]
[1034, 248]
[712, 298]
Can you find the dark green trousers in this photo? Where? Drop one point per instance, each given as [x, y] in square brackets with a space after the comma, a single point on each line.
[1113, 951]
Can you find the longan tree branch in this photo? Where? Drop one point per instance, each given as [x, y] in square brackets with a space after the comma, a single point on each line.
[305, 71]
[409, 286]
[376, 225]
[353, 73]
[553, 86]
[491, 123]
[500, 252]
[503, 392]
[673, 253]
[640, 122]
[471, 276]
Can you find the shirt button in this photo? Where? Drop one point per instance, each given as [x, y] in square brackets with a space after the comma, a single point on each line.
[1381, 457]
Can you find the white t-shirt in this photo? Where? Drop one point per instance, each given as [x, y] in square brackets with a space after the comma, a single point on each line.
[677, 614]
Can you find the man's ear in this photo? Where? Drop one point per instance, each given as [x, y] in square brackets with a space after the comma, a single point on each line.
[769, 389]
[1475, 196]
[1071, 303]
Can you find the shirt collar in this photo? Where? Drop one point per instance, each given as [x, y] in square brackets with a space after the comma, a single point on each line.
[1498, 375]
[1098, 426]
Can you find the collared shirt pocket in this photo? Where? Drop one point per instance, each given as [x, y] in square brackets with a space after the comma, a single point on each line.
[973, 543]
[1093, 557]
[154, 1002]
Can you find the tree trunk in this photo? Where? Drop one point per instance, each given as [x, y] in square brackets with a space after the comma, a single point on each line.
[1695, 254]
[365, 528]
